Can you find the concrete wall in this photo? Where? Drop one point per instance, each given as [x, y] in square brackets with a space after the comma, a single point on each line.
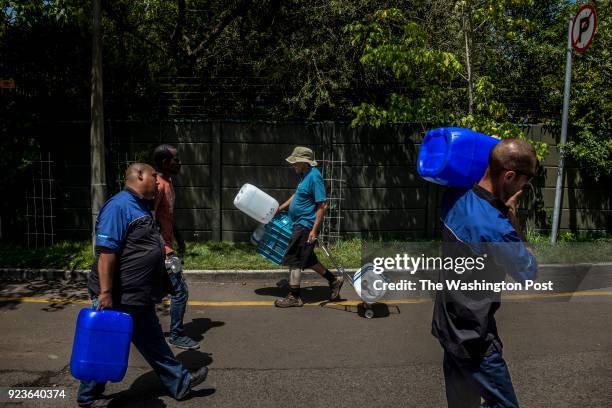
[383, 195]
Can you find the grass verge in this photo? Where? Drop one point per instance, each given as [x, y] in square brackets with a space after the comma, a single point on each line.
[229, 255]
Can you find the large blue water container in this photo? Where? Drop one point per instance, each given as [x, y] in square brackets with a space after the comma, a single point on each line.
[454, 156]
[275, 240]
[101, 345]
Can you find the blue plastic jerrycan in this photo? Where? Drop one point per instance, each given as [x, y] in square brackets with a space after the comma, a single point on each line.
[101, 345]
[455, 157]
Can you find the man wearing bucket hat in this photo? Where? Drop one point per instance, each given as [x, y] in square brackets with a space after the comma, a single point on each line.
[306, 209]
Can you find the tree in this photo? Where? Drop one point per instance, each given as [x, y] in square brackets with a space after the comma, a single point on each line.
[396, 48]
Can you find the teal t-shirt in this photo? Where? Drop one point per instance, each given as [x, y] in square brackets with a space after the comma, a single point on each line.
[309, 192]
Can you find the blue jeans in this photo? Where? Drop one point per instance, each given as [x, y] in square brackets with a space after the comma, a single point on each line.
[178, 304]
[148, 338]
[467, 380]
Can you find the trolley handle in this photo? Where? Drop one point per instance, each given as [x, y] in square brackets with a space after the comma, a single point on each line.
[338, 267]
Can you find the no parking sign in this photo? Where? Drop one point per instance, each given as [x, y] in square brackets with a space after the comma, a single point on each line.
[583, 27]
[580, 33]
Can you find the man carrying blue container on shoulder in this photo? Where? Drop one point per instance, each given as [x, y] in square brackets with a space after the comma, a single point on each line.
[482, 223]
[306, 210]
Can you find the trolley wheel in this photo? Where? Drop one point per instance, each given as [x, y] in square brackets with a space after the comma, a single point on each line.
[368, 313]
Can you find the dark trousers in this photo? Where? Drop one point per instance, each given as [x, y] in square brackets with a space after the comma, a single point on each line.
[178, 304]
[300, 254]
[148, 338]
[467, 380]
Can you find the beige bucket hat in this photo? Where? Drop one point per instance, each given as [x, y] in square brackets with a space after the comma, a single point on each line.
[303, 155]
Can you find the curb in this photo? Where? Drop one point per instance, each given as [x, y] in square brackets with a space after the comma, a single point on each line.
[229, 275]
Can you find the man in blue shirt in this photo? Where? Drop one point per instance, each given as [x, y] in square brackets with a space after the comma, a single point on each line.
[129, 275]
[306, 209]
[482, 222]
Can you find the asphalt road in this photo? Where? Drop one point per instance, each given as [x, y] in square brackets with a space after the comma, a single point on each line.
[559, 350]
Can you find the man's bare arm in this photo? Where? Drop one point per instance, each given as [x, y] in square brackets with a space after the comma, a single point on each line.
[106, 268]
[321, 207]
[286, 204]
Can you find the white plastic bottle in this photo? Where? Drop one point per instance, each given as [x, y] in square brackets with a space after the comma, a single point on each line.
[174, 264]
[256, 204]
[258, 234]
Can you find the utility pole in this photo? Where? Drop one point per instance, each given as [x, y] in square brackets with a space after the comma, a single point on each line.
[98, 168]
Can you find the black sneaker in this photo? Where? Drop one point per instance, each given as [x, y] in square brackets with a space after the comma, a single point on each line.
[289, 301]
[99, 403]
[197, 378]
[335, 287]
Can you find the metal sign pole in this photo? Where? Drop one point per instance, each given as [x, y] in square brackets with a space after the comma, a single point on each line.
[566, 97]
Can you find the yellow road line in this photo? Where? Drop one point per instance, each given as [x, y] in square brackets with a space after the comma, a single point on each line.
[243, 303]
[560, 295]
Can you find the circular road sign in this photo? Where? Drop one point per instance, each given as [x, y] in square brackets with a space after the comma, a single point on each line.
[584, 27]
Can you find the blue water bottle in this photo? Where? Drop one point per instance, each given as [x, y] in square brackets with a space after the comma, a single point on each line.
[455, 157]
[101, 345]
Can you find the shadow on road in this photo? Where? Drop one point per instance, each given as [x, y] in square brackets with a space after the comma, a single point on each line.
[60, 293]
[146, 391]
[309, 294]
[196, 328]
[379, 309]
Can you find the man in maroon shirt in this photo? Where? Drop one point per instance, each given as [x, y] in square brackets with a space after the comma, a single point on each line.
[168, 166]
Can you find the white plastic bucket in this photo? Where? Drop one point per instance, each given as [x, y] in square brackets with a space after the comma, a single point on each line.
[255, 203]
[364, 283]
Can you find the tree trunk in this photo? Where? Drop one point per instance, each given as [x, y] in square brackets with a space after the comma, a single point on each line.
[98, 168]
[467, 36]
[177, 36]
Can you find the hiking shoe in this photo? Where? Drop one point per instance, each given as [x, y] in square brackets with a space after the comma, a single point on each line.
[335, 287]
[184, 343]
[289, 301]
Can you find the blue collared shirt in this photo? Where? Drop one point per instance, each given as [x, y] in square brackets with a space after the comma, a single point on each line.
[125, 225]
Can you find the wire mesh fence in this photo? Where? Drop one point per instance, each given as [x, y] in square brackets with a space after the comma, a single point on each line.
[40, 197]
[333, 175]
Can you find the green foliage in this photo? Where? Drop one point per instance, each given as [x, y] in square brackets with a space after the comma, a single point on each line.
[370, 61]
[593, 151]
[490, 117]
[396, 48]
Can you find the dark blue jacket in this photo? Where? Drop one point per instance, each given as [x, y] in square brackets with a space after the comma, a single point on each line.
[475, 223]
